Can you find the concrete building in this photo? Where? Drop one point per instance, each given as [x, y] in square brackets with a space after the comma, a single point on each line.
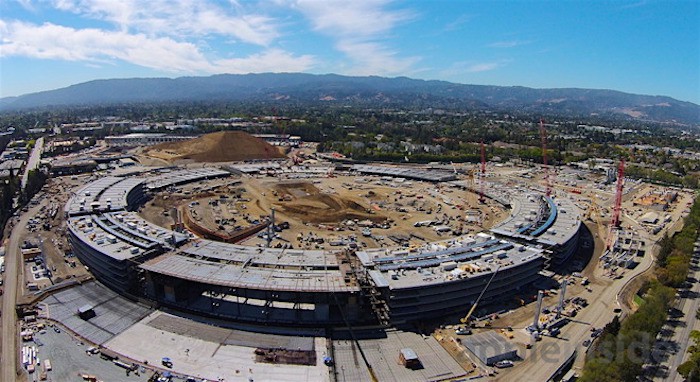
[143, 139]
[73, 167]
[490, 347]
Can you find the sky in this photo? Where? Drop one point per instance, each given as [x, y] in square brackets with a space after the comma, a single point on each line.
[645, 47]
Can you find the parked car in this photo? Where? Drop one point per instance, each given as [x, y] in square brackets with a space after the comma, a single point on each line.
[503, 364]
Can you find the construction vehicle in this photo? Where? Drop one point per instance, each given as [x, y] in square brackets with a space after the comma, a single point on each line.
[466, 319]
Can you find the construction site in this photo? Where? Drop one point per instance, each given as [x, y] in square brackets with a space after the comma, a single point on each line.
[345, 271]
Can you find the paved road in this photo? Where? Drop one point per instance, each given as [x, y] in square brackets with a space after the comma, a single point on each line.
[33, 161]
[13, 287]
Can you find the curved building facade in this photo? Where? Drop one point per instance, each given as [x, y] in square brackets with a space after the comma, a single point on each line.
[309, 287]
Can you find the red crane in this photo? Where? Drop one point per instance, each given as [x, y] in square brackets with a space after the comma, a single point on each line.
[615, 221]
[543, 138]
[482, 175]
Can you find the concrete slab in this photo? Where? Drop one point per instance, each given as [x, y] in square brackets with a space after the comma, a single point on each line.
[189, 328]
[209, 359]
[114, 313]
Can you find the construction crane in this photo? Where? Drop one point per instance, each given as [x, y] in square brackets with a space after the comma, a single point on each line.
[615, 220]
[472, 188]
[465, 319]
[543, 138]
[618, 194]
[482, 175]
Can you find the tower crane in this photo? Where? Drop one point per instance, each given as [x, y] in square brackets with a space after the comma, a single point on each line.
[543, 138]
[615, 221]
[482, 175]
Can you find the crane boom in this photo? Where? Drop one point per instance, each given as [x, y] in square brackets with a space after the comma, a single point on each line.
[471, 311]
[482, 175]
[543, 138]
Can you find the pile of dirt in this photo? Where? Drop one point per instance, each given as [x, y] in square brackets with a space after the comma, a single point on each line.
[224, 146]
[307, 203]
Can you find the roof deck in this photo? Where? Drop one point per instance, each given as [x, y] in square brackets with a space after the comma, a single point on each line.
[236, 276]
[261, 257]
[405, 172]
[536, 218]
[460, 258]
[102, 238]
[105, 194]
[168, 178]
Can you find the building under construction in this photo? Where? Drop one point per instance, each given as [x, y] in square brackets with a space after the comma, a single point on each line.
[286, 286]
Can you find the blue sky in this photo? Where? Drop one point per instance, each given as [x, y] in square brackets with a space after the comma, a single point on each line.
[646, 47]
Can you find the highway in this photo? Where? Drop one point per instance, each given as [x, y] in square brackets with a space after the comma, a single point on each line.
[677, 344]
[13, 286]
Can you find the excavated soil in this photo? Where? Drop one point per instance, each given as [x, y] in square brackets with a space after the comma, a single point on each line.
[224, 146]
[306, 202]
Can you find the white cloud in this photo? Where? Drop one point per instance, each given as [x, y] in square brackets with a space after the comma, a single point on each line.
[273, 60]
[27, 4]
[352, 18]
[373, 58]
[508, 44]
[461, 67]
[483, 67]
[359, 29]
[189, 18]
[458, 23]
[50, 41]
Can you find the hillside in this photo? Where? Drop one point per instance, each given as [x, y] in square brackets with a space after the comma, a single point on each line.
[224, 146]
[365, 91]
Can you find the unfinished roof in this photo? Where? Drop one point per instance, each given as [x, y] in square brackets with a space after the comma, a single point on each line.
[258, 256]
[105, 194]
[405, 172]
[440, 262]
[236, 276]
[95, 232]
[537, 218]
[170, 178]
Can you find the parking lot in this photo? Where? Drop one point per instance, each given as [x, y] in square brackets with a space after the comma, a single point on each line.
[69, 360]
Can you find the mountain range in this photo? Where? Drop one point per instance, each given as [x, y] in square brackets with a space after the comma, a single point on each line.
[365, 91]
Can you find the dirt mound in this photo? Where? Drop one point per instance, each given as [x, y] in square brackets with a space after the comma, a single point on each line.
[224, 146]
[307, 203]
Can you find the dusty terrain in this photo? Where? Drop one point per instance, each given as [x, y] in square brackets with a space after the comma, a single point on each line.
[328, 211]
[304, 201]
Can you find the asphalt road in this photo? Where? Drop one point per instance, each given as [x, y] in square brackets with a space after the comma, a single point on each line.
[33, 161]
[681, 334]
[13, 287]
